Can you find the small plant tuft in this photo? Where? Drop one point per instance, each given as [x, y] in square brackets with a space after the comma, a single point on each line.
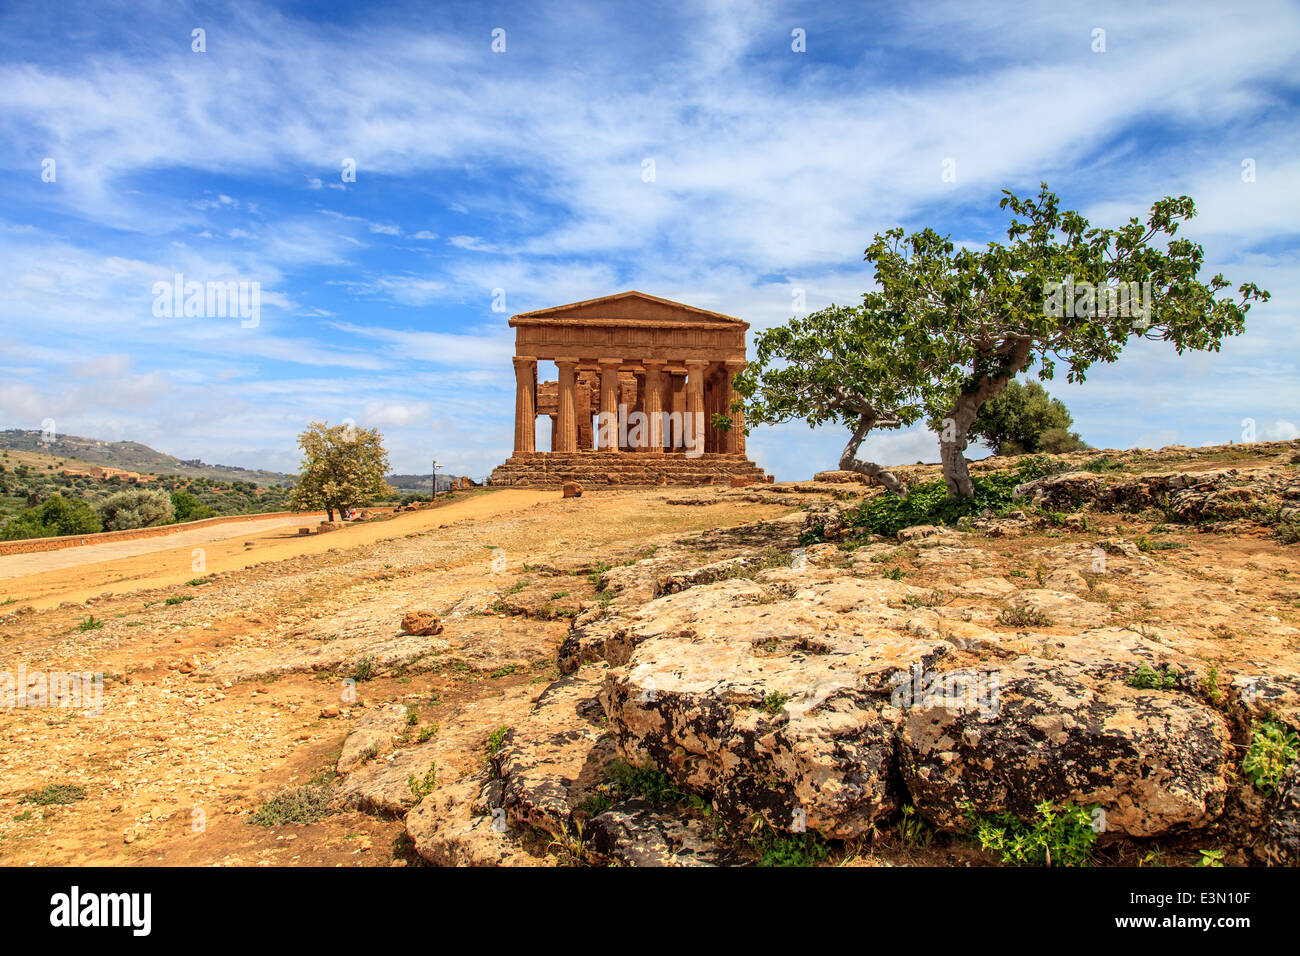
[1272, 750]
[1024, 617]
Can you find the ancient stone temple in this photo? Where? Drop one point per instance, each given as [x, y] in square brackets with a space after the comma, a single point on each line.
[641, 380]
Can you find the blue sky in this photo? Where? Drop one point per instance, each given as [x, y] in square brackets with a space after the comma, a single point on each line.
[522, 171]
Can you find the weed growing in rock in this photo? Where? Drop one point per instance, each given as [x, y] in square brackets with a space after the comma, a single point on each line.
[1024, 617]
[1272, 750]
[648, 782]
[787, 849]
[1101, 464]
[1146, 545]
[306, 804]
[90, 624]
[1057, 836]
[1148, 678]
[363, 670]
[912, 830]
[1209, 685]
[421, 787]
[595, 573]
[495, 740]
[55, 794]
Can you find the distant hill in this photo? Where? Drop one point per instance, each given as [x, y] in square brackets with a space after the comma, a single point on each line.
[133, 456]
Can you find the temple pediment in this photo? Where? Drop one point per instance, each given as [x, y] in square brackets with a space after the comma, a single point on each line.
[627, 308]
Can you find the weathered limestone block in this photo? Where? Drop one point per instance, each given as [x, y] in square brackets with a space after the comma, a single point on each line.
[1151, 759]
[374, 734]
[822, 759]
[780, 709]
[384, 786]
[452, 827]
[1061, 607]
[636, 833]
[1056, 492]
[555, 755]
[1282, 841]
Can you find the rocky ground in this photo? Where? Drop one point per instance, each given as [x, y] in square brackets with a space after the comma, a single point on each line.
[708, 676]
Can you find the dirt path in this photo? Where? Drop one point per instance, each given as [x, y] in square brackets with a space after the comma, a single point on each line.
[21, 565]
[48, 578]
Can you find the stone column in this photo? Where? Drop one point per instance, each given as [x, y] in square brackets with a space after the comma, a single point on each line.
[695, 405]
[607, 425]
[673, 405]
[636, 433]
[710, 406]
[735, 436]
[654, 405]
[525, 409]
[566, 414]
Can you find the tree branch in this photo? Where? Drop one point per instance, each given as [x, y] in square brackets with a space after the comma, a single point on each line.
[849, 460]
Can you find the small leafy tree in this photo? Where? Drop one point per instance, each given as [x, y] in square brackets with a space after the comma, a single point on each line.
[838, 365]
[1024, 419]
[189, 508]
[136, 508]
[342, 466]
[55, 516]
[993, 312]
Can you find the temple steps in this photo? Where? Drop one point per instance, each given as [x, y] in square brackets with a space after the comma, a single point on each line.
[592, 468]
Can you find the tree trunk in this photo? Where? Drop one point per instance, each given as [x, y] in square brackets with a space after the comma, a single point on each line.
[329, 513]
[849, 459]
[955, 428]
[952, 447]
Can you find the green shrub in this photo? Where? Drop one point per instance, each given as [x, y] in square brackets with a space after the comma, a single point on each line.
[1024, 418]
[305, 804]
[1099, 464]
[496, 739]
[136, 508]
[188, 508]
[928, 502]
[789, 849]
[55, 516]
[421, 787]
[1057, 836]
[363, 670]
